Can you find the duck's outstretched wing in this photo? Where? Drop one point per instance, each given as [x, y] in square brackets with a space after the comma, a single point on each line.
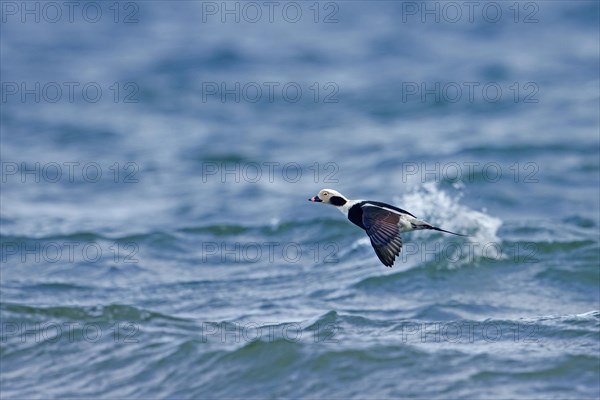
[382, 226]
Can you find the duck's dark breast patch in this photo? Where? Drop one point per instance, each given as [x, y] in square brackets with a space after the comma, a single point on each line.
[337, 200]
[355, 215]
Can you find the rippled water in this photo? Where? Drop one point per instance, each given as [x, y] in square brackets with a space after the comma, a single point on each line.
[164, 247]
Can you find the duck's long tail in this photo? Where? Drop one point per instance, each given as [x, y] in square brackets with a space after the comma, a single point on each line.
[435, 228]
[420, 224]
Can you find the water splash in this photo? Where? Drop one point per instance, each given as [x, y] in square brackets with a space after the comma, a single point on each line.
[436, 206]
[428, 202]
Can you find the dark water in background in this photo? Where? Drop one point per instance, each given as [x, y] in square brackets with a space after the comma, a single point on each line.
[170, 277]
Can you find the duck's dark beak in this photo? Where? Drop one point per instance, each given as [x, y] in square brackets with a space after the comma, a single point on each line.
[315, 199]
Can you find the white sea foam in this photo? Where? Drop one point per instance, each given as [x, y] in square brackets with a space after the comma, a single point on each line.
[437, 207]
[440, 209]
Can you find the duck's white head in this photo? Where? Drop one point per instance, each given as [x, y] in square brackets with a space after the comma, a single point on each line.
[330, 196]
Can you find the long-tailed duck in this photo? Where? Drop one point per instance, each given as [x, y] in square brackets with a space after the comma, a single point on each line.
[382, 222]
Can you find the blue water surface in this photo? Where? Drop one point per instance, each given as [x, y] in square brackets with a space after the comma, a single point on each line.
[157, 158]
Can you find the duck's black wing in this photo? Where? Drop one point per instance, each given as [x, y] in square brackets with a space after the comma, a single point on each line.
[383, 230]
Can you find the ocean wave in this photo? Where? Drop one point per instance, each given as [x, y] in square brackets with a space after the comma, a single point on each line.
[347, 347]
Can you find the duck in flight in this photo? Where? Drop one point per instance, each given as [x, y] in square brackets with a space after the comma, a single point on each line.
[382, 222]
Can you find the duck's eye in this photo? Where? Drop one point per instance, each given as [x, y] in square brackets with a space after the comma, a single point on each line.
[325, 194]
